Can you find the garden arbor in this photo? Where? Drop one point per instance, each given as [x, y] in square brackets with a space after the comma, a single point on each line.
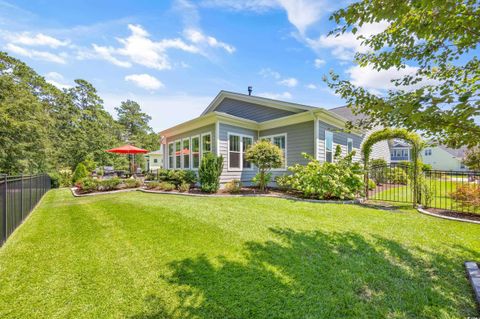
[412, 138]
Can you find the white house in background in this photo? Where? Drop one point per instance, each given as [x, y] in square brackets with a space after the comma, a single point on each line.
[155, 159]
[444, 158]
[399, 151]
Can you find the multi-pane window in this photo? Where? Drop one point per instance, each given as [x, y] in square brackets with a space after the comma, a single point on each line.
[428, 152]
[234, 152]
[195, 152]
[170, 155]
[186, 153]
[178, 154]
[206, 143]
[349, 145]
[328, 146]
[246, 143]
[281, 142]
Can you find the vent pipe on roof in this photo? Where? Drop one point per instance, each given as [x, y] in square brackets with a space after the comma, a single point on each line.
[250, 89]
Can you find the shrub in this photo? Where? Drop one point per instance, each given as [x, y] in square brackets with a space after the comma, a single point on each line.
[166, 186]
[342, 179]
[396, 175]
[378, 169]
[234, 186]
[183, 187]
[65, 177]
[87, 185]
[209, 172]
[152, 185]
[131, 182]
[261, 181]
[467, 196]
[79, 173]
[109, 184]
[54, 180]
[177, 177]
[426, 193]
[371, 185]
[265, 156]
[283, 182]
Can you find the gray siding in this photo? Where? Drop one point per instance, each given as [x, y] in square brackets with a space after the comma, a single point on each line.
[339, 138]
[380, 149]
[227, 175]
[202, 130]
[251, 111]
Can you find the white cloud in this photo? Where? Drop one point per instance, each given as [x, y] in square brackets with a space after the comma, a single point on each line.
[347, 44]
[106, 54]
[39, 39]
[277, 96]
[290, 82]
[56, 79]
[311, 86]
[375, 81]
[145, 81]
[196, 36]
[267, 72]
[318, 63]
[37, 55]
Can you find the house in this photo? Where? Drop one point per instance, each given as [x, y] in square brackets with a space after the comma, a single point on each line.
[400, 151]
[233, 121]
[444, 158]
[154, 159]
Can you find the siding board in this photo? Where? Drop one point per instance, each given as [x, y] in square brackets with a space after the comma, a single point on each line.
[251, 111]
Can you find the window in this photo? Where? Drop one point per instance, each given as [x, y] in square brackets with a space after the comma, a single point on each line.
[186, 153]
[428, 152]
[349, 145]
[155, 160]
[246, 143]
[234, 153]
[328, 146]
[280, 141]
[178, 151]
[170, 155]
[195, 152]
[206, 143]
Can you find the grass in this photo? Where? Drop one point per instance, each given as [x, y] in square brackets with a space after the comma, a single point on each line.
[137, 255]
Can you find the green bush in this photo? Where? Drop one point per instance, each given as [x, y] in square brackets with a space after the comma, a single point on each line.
[396, 175]
[131, 183]
[261, 180]
[109, 184]
[87, 185]
[371, 185]
[234, 186]
[177, 177]
[152, 185]
[378, 168]
[79, 173]
[209, 172]
[65, 177]
[283, 182]
[342, 179]
[166, 186]
[184, 187]
[265, 156]
[54, 180]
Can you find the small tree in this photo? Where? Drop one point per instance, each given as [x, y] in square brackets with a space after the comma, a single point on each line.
[209, 173]
[472, 159]
[79, 173]
[265, 156]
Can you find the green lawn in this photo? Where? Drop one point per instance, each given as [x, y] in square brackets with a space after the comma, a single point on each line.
[138, 255]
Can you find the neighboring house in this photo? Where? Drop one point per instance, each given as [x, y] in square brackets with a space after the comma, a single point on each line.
[232, 122]
[400, 151]
[444, 158]
[154, 159]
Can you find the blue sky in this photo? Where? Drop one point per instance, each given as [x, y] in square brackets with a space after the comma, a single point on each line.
[173, 57]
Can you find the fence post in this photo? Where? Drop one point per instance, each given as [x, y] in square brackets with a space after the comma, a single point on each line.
[21, 195]
[4, 209]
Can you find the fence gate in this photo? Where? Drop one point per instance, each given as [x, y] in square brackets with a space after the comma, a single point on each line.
[18, 197]
[391, 182]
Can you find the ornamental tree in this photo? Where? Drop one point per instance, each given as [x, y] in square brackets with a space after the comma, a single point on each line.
[432, 43]
[472, 159]
[265, 156]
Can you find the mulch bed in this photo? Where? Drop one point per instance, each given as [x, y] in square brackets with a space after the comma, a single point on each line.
[448, 213]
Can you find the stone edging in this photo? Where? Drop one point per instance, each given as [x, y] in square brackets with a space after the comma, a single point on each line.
[73, 190]
[254, 195]
[474, 275]
[423, 211]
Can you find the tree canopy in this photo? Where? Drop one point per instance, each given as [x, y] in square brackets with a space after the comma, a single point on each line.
[437, 39]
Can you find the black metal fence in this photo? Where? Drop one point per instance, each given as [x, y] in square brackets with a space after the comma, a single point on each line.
[18, 197]
[457, 191]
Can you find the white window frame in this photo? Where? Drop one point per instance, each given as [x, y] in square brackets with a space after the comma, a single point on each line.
[241, 136]
[199, 151]
[189, 151]
[270, 137]
[349, 140]
[173, 155]
[325, 146]
[201, 144]
[175, 150]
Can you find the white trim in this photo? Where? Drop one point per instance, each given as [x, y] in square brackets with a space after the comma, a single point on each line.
[189, 153]
[325, 146]
[199, 151]
[201, 143]
[286, 152]
[241, 136]
[175, 150]
[217, 138]
[168, 154]
[316, 138]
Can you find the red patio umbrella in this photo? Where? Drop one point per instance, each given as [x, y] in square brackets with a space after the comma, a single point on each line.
[128, 149]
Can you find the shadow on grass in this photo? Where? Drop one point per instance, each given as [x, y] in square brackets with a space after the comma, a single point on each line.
[318, 275]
